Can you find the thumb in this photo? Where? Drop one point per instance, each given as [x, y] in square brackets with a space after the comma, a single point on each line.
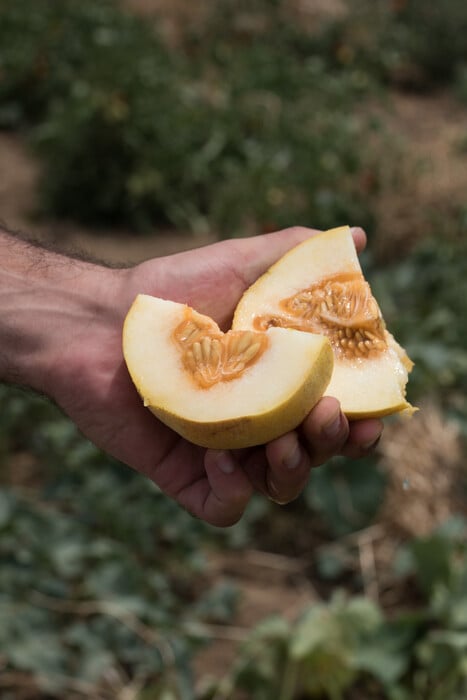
[260, 252]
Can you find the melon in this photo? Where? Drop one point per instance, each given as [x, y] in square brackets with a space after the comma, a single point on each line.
[222, 390]
[318, 287]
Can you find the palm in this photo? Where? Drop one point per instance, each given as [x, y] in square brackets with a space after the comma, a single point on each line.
[110, 413]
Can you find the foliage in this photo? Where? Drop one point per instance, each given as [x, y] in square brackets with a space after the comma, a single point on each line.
[430, 286]
[97, 562]
[251, 125]
[130, 133]
[101, 577]
[347, 493]
[254, 123]
[412, 44]
[429, 35]
[47, 46]
[350, 642]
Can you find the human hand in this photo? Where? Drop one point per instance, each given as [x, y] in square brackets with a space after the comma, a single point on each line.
[85, 374]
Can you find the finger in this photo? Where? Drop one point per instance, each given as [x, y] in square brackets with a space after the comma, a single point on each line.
[288, 468]
[226, 491]
[363, 438]
[255, 465]
[359, 237]
[325, 431]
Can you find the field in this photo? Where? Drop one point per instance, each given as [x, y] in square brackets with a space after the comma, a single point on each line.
[330, 113]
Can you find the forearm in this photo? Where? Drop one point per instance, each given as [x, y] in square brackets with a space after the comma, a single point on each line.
[47, 301]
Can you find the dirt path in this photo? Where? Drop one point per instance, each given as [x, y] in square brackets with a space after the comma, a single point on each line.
[269, 584]
[429, 181]
[19, 176]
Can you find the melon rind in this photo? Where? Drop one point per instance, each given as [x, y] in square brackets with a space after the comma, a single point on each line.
[364, 387]
[270, 398]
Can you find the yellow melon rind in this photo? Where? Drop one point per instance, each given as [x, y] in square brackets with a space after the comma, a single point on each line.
[251, 430]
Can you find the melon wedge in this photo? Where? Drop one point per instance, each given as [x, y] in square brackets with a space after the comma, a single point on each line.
[319, 287]
[218, 390]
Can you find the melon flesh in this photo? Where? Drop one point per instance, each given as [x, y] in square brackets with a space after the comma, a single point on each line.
[318, 287]
[253, 396]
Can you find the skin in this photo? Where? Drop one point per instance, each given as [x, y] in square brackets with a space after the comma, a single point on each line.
[60, 334]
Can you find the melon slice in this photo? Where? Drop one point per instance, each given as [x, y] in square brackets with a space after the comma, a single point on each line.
[319, 287]
[225, 391]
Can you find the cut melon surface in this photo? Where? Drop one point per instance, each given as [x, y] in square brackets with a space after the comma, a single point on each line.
[225, 391]
[319, 287]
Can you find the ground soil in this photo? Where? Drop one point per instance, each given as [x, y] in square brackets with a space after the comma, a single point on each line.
[427, 129]
[428, 132]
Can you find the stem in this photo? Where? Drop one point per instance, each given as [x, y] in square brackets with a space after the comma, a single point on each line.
[289, 682]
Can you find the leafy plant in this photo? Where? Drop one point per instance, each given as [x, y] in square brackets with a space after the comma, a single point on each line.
[349, 643]
[47, 48]
[430, 36]
[322, 654]
[102, 582]
[410, 44]
[183, 139]
[347, 493]
[429, 285]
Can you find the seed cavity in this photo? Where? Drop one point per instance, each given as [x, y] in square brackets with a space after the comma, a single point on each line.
[211, 356]
[341, 307]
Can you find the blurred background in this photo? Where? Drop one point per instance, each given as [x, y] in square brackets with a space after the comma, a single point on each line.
[143, 127]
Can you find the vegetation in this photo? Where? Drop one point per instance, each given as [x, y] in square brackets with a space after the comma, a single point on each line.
[97, 566]
[179, 139]
[348, 643]
[253, 121]
[183, 138]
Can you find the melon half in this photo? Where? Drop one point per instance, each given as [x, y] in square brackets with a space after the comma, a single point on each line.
[222, 390]
[319, 287]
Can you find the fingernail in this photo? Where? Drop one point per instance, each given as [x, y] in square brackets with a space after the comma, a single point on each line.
[224, 461]
[332, 428]
[274, 494]
[369, 446]
[293, 458]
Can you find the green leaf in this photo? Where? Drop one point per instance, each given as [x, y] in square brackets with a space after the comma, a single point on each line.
[68, 556]
[381, 662]
[334, 642]
[346, 493]
[318, 627]
[327, 671]
[457, 641]
[458, 611]
[331, 564]
[40, 653]
[7, 505]
[263, 657]
[432, 559]
[219, 603]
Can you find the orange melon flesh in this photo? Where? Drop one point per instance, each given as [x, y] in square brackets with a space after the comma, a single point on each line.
[318, 287]
[222, 390]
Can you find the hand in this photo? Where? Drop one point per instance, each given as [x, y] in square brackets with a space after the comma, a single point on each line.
[82, 369]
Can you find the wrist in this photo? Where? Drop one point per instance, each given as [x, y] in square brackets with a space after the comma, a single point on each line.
[50, 305]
